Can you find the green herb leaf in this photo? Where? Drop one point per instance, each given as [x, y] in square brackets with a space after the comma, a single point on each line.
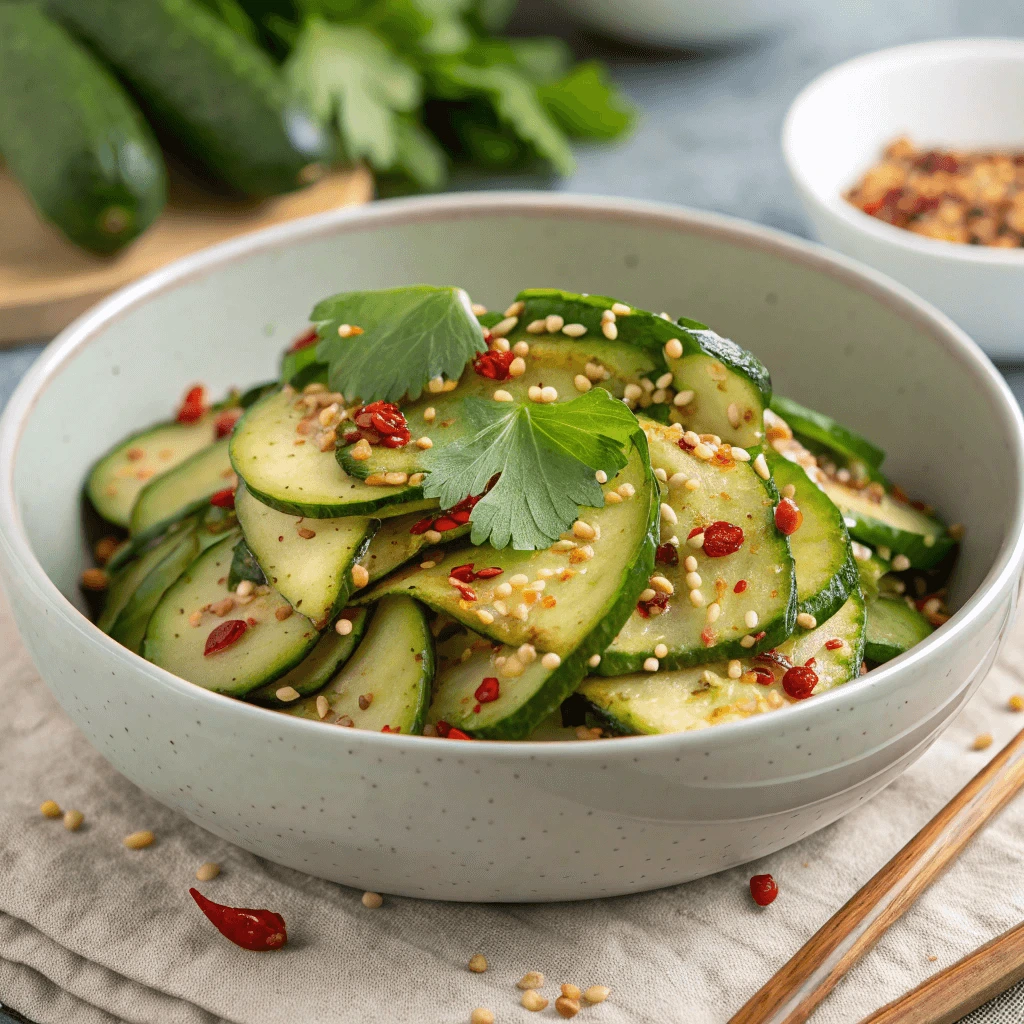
[545, 457]
[409, 336]
[586, 104]
[244, 567]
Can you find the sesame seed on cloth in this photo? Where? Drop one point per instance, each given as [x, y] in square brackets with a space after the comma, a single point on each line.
[69, 901]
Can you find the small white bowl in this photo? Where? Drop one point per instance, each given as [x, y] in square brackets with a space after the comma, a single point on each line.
[514, 821]
[964, 93]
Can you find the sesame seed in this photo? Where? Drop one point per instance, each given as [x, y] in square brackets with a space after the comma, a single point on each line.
[415, 479]
[537, 327]
[517, 367]
[883, 552]
[661, 475]
[594, 660]
[982, 742]
[901, 563]
[533, 1001]
[584, 553]
[499, 396]
[361, 450]
[861, 552]
[478, 310]
[428, 564]
[601, 476]
[287, 693]
[500, 345]
[651, 664]
[597, 993]
[516, 309]
[693, 579]
[499, 606]
[582, 383]
[245, 588]
[429, 414]
[537, 585]
[534, 393]
[747, 641]
[693, 484]
[595, 371]
[583, 530]
[696, 541]
[322, 706]
[513, 667]
[621, 309]
[548, 394]
[478, 963]
[481, 1015]
[714, 610]
[690, 564]
[692, 438]
[551, 661]
[609, 330]
[433, 537]
[521, 348]
[360, 577]
[607, 315]
[806, 621]
[673, 348]
[372, 900]
[735, 669]
[139, 840]
[646, 384]
[750, 618]
[396, 479]
[682, 398]
[761, 467]
[668, 514]
[527, 653]
[661, 651]
[696, 598]
[344, 330]
[564, 545]
[611, 498]
[632, 392]
[662, 585]
[704, 452]
[503, 590]
[647, 594]
[626, 490]
[574, 330]
[502, 327]
[788, 491]
[1016, 703]
[733, 413]
[554, 323]
[435, 385]
[739, 454]
[485, 617]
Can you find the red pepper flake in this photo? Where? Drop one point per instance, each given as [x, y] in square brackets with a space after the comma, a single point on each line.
[489, 573]
[468, 594]
[387, 728]
[488, 690]
[788, 517]
[708, 637]
[667, 554]
[799, 681]
[250, 622]
[193, 405]
[450, 519]
[685, 445]
[223, 499]
[380, 423]
[741, 585]
[763, 889]
[494, 365]
[764, 676]
[693, 533]
[258, 930]
[833, 645]
[722, 538]
[449, 732]
[225, 422]
[660, 601]
[304, 341]
[444, 524]
[773, 656]
[463, 573]
[810, 662]
[224, 635]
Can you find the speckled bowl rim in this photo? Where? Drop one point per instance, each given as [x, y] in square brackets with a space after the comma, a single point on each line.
[1001, 578]
[920, 53]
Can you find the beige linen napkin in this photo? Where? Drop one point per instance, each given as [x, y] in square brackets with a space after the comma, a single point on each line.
[93, 933]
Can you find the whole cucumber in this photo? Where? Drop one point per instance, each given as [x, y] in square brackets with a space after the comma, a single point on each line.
[72, 137]
[220, 96]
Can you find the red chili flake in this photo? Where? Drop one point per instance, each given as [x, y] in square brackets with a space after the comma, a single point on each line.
[764, 676]
[192, 406]
[250, 621]
[468, 594]
[722, 538]
[799, 681]
[225, 422]
[763, 889]
[224, 635]
[658, 601]
[811, 662]
[304, 340]
[421, 527]
[667, 554]
[788, 517]
[833, 645]
[693, 533]
[493, 365]
[933, 160]
[449, 732]
[488, 690]
[451, 519]
[224, 499]
[489, 573]
[442, 728]
[259, 930]
[463, 573]
[444, 524]
[708, 637]
[383, 423]
[387, 728]
[741, 585]
[891, 197]
[685, 445]
[773, 656]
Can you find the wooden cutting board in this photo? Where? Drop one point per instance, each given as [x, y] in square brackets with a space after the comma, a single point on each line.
[46, 281]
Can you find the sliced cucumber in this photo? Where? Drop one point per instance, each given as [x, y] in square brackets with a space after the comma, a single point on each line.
[299, 478]
[809, 425]
[870, 570]
[695, 698]
[244, 566]
[729, 491]
[826, 572]
[892, 524]
[116, 479]
[390, 673]
[394, 544]
[311, 569]
[182, 491]
[265, 650]
[893, 628]
[315, 670]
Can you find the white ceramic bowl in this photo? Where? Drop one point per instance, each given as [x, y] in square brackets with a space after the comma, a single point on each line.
[514, 821]
[965, 93]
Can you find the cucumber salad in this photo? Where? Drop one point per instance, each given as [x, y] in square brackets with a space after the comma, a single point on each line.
[570, 519]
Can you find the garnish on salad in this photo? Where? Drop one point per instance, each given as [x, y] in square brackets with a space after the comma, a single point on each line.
[568, 519]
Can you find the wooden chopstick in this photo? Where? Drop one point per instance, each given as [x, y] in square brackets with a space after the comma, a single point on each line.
[951, 994]
[792, 994]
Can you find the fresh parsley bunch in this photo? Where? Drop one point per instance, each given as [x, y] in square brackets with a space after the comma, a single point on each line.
[412, 87]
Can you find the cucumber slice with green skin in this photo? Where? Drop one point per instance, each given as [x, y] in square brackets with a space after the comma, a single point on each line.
[892, 524]
[301, 480]
[870, 570]
[130, 626]
[593, 589]
[893, 628]
[393, 545]
[117, 478]
[807, 424]
[392, 670]
[72, 136]
[218, 94]
[245, 567]
[733, 492]
[695, 698]
[264, 652]
[826, 571]
[314, 573]
[183, 490]
[315, 670]
[212, 523]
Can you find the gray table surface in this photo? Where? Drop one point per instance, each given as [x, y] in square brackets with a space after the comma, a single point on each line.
[709, 138]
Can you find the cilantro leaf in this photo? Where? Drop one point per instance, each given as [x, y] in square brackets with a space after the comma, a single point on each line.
[409, 335]
[586, 105]
[545, 457]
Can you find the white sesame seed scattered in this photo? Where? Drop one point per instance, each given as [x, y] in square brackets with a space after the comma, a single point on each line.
[533, 393]
[527, 653]
[503, 590]
[693, 484]
[485, 616]
[611, 498]
[659, 396]
[574, 330]
[478, 309]
[424, 443]
[594, 660]
[548, 394]
[563, 545]
[682, 398]
[747, 641]
[651, 664]
[500, 329]
[537, 586]
[883, 552]
[517, 367]
[714, 610]
[516, 309]
[429, 414]
[696, 541]
[583, 530]
[546, 574]
[626, 490]
[692, 438]
[901, 563]
[499, 606]
[761, 467]
[501, 396]
[664, 380]
[554, 323]
[690, 563]
[693, 579]
[519, 580]
[750, 619]
[609, 330]
[500, 344]
[521, 348]
[806, 621]
[343, 627]
[735, 669]
[632, 392]
[696, 598]
[513, 667]
[435, 385]
[322, 707]
[621, 309]
[521, 612]
[648, 594]
[582, 383]
[428, 564]
[733, 412]
[245, 588]
[601, 476]
[673, 348]
[704, 451]
[433, 536]
[788, 491]
[861, 551]
[607, 315]
[551, 660]
[647, 384]
[660, 474]
[287, 693]
[662, 585]
[344, 330]
[668, 514]
[537, 327]
[660, 651]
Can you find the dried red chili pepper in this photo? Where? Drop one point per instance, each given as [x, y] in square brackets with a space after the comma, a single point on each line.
[773, 656]
[788, 517]
[387, 728]
[764, 676]
[494, 365]
[223, 499]
[224, 635]
[685, 445]
[488, 573]
[193, 405]
[659, 601]
[225, 422]
[697, 530]
[722, 538]
[463, 573]
[444, 524]
[450, 519]
[488, 690]
[763, 889]
[449, 732]
[667, 554]
[380, 423]
[799, 681]
[833, 645]
[468, 593]
[258, 930]
[304, 341]
[741, 585]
